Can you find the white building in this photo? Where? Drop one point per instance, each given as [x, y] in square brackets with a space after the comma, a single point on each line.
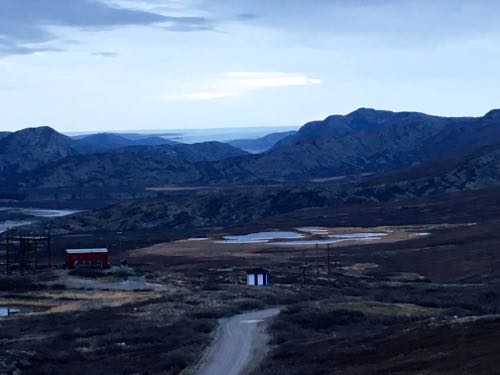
[258, 277]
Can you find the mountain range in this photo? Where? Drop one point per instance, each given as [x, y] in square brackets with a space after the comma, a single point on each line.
[262, 144]
[364, 142]
[42, 151]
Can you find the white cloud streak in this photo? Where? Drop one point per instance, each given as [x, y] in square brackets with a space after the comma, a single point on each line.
[235, 84]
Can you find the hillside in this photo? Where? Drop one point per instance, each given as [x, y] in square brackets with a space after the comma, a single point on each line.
[136, 166]
[103, 142]
[4, 134]
[363, 142]
[31, 148]
[262, 144]
[478, 170]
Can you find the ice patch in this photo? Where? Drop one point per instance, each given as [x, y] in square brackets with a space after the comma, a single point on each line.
[313, 230]
[260, 237]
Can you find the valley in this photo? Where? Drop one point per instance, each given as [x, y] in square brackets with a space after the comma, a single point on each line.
[378, 231]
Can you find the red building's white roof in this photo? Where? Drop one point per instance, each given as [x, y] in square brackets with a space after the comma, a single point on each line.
[86, 251]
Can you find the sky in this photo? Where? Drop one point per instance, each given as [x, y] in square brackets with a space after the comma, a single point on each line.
[102, 65]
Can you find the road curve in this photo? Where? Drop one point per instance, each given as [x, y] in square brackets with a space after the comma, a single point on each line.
[238, 340]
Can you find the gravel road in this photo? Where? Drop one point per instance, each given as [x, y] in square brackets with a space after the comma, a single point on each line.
[238, 343]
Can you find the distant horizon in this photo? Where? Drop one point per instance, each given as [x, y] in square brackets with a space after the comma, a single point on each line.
[176, 131]
[73, 133]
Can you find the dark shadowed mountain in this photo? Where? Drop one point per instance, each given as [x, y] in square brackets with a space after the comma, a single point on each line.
[137, 166]
[103, 142]
[363, 142]
[366, 141]
[118, 168]
[207, 151]
[262, 144]
[31, 148]
[100, 143]
[479, 169]
[4, 134]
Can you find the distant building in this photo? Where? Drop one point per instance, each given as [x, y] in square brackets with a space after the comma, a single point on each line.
[87, 257]
[258, 277]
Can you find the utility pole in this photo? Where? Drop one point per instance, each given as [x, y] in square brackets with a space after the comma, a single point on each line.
[35, 255]
[49, 250]
[328, 266]
[317, 259]
[303, 267]
[7, 253]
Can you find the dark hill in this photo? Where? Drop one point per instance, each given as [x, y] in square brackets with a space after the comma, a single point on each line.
[363, 142]
[103, 142]
[4, 134]
[137, 166]
[31, 148]
[366, 141]
[256, 146]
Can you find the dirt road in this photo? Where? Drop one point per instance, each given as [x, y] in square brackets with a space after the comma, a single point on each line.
[238, 343]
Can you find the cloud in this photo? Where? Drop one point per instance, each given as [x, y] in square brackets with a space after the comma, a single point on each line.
[234, 84]
[411, 21]
[188, 24]
[25, 25]
[105, 54]
[210, 95]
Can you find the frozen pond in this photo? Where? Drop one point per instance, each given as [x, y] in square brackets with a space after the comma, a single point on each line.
[261, 237]
[306, 242]
[37, 212]
[300, 239]
[13, 310]
[33, 212]
[6, 225]
[313, 230]
[359, 236]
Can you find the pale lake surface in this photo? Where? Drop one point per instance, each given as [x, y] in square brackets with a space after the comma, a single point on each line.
[313, 230]
[37, 212]
[307, 242]
[295, 238]
[261, 237]
[6, 225]
[21, 213]
[359, 236]
[13, 310]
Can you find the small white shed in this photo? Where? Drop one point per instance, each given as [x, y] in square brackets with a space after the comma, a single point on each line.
[258, 277]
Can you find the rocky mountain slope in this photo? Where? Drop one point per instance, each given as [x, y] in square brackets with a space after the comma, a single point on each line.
[363, 142]
[262, 144]
[43, 157]
[4, 134]
[136, 166]
[478, 170]
[31, 148]
[103, 142]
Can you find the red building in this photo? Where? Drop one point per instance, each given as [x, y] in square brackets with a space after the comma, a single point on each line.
[88, 257]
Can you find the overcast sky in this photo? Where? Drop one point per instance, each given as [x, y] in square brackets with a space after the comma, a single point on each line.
[81, 65]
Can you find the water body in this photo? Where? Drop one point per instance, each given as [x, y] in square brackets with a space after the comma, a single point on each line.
[313, 230]
[6, 225]
[307, 242]
[37, 212]
[21, 213]
[261, 237]
[13, 310]
[275, 237]
[202, 135]
[359, 236]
